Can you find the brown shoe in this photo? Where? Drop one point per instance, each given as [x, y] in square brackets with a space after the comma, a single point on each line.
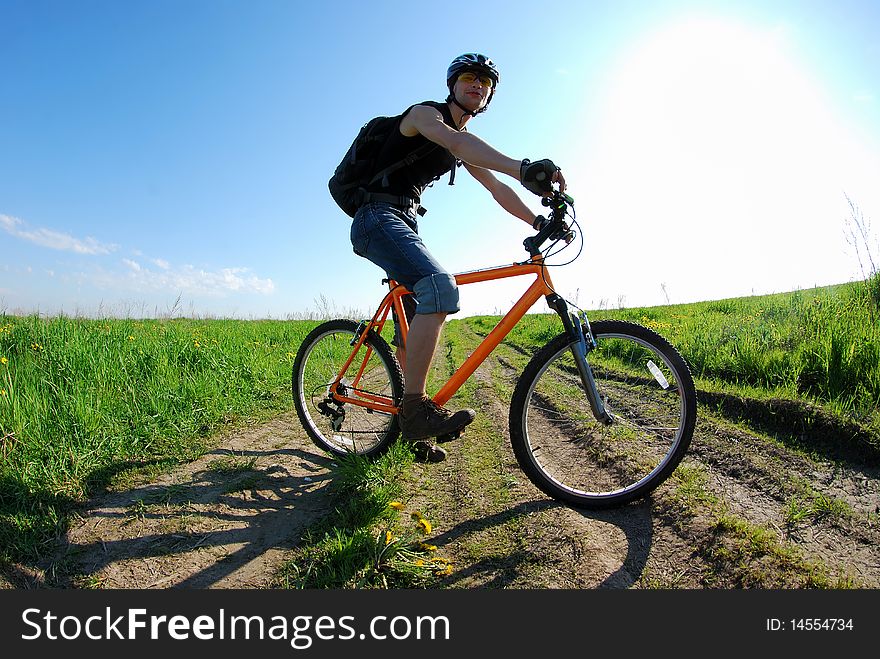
[423, 418]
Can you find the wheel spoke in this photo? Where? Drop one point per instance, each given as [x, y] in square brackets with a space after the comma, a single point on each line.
[338, 426]
[646, 388]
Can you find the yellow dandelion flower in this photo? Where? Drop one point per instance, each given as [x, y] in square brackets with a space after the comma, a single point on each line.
[419, 562]
[416, 515]
[396, 505]
[131, 338]
[425, 525]
[388, 537]
[426, 547]
[2, 392]
[3, 360]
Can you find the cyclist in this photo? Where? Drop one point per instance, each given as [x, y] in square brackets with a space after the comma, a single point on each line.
[385, 229]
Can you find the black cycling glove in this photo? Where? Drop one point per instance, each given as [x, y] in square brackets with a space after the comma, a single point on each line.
[540, 222]
[537, 176]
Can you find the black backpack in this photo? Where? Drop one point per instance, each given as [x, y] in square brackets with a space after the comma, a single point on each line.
[357, 172]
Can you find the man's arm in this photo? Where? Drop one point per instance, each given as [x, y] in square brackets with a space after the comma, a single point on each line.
[502, 193]
[467, 147]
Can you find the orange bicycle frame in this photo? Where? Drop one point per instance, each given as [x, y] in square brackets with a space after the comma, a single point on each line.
[541, 286]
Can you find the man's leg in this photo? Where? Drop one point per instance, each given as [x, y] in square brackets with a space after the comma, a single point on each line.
[409, 308]
[421, 343]
[421, 418]
[388, 238]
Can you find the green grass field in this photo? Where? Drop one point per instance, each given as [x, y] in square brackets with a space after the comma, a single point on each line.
[819, 345]
[82, 402]
[85, 402]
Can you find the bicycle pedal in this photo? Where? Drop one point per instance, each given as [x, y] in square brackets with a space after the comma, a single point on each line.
[448, 437]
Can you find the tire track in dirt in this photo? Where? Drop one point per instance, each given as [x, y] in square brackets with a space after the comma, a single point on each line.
[795, 497]
[657, 542]
[226, 520]
[232, 517]
[522, 538]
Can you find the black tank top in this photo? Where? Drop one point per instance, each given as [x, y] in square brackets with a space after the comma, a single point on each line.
[411, 181]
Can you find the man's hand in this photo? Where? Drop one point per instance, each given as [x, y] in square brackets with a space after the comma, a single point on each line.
[538, 177]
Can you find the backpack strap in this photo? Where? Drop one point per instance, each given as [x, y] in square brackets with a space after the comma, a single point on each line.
[452, 172]
[383, 174]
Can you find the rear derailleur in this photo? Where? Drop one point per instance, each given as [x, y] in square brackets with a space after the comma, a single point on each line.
[334, 411]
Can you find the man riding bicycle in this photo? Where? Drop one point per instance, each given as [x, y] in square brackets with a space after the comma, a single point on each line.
[385, 229]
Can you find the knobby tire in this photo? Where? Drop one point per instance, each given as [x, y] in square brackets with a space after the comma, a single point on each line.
[574, 458]
[319, 359]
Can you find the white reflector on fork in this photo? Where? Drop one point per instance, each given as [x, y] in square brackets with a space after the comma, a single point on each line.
[658, 375]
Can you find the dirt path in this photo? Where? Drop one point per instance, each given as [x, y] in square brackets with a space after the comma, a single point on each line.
[226, 520]
[502, 532]
[743, 510]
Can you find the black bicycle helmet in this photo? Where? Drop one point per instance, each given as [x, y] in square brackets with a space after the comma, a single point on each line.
[478, 64]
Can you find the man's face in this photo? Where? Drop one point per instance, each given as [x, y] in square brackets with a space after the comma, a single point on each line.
[472, 90]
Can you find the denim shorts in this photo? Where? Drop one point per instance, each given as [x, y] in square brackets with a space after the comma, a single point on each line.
[388, 236]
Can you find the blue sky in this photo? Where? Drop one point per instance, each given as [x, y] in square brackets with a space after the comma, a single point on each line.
[174, 155]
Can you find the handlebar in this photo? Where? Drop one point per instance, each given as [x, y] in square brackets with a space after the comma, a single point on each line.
[556, 229]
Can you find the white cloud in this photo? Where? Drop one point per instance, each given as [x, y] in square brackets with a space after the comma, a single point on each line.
[187, 279]
[54, 239]
[146, 275]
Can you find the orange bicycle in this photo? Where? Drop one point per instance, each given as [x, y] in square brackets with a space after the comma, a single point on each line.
[601, 415]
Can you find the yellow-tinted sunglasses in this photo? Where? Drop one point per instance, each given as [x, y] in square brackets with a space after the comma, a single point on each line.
[468, 77]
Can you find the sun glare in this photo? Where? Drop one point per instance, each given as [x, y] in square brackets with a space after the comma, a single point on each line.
[711, 108]
[712, 130]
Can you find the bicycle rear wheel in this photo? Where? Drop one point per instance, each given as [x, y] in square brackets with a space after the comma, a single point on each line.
[341, 427]
[647, 388]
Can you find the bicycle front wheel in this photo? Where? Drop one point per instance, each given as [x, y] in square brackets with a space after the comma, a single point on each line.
[647, 389]
[374, 375]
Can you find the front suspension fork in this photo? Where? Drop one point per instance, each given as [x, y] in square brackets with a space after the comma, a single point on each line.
[581, 343]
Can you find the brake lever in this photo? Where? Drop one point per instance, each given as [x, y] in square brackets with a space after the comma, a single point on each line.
[558, 202]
